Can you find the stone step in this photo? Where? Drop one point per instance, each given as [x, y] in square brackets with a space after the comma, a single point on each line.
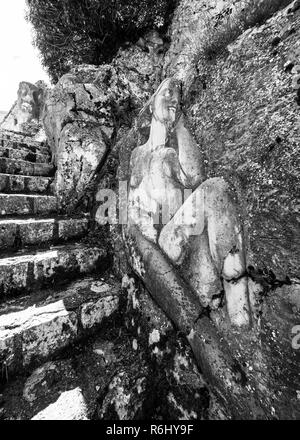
[19, 137]
[24, 154]
[34, 329]
[24, 272]
[23, 204]
[10, 183]
[19, 142]
[15, 233]
[13, 166]
[30, 148]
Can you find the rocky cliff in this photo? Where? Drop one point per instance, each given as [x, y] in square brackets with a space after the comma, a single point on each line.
[241, 100]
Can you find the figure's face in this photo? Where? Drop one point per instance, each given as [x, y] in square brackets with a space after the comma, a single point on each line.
[167, 102]
[28, 102]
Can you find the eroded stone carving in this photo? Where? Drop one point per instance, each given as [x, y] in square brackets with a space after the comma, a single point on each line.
[26, 109]
[194, 221]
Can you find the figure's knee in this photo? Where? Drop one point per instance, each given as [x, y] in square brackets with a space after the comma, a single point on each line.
[219, 201]
[172, 241]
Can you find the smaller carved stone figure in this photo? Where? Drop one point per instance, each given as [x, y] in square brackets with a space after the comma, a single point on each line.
[29, 102]
[194, 221]
[26, 109]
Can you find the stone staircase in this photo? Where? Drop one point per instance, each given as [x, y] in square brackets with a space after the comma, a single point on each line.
[51, 290]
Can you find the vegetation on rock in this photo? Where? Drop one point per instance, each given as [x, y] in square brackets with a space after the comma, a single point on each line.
[231, 23]
[70, 32]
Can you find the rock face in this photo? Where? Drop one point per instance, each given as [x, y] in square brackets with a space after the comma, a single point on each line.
[74, 133]
[181, 391]
[190, 27]
[69, 406]
[88, 106]
[27, 108]
[245, 115]
[242, 107]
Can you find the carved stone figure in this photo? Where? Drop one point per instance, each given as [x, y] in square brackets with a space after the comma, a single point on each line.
[26, 109]
[194, 221]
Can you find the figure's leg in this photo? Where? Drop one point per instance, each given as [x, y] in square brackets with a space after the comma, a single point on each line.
[225, 235]
[185, 241]
[201, 273]
[211, 207]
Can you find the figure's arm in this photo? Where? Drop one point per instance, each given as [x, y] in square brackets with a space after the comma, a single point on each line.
[138, 203]
[190, 157]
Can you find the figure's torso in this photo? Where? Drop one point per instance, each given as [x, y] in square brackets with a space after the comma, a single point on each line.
[154, 187]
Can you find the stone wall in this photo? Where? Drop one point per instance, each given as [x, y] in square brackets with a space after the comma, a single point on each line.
[244, 112]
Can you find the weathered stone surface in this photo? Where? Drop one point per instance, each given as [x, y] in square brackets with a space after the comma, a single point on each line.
[25, 184]
[70, 406]
[55, 320]
[23, 154]
[8, 233]
[35, 334]
[44, 380]
[16, 141]
[88, 106]
[191, 25]
[11, 204]
[105, 351]
[126, 396]
[16, 233]
[14, 166]
[27, 271]
[181, 391]
[242, 107]
[90, 365]
[70, 228]
[73, 123]
[27, 107]
[221, 352]
[93, 313]
[246, 120]
[81, 150]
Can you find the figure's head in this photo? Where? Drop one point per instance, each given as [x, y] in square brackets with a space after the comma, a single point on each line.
[29, 101]
[165, 103]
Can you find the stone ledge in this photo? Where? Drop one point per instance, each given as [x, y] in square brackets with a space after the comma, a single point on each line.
[17, 140]
[24, 154]
[26, 272]
[10, 183]
[40, 329]
[14, 166]
[11, 204]
[37, 231]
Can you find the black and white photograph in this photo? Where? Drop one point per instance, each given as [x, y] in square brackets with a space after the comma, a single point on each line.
[150, 213]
